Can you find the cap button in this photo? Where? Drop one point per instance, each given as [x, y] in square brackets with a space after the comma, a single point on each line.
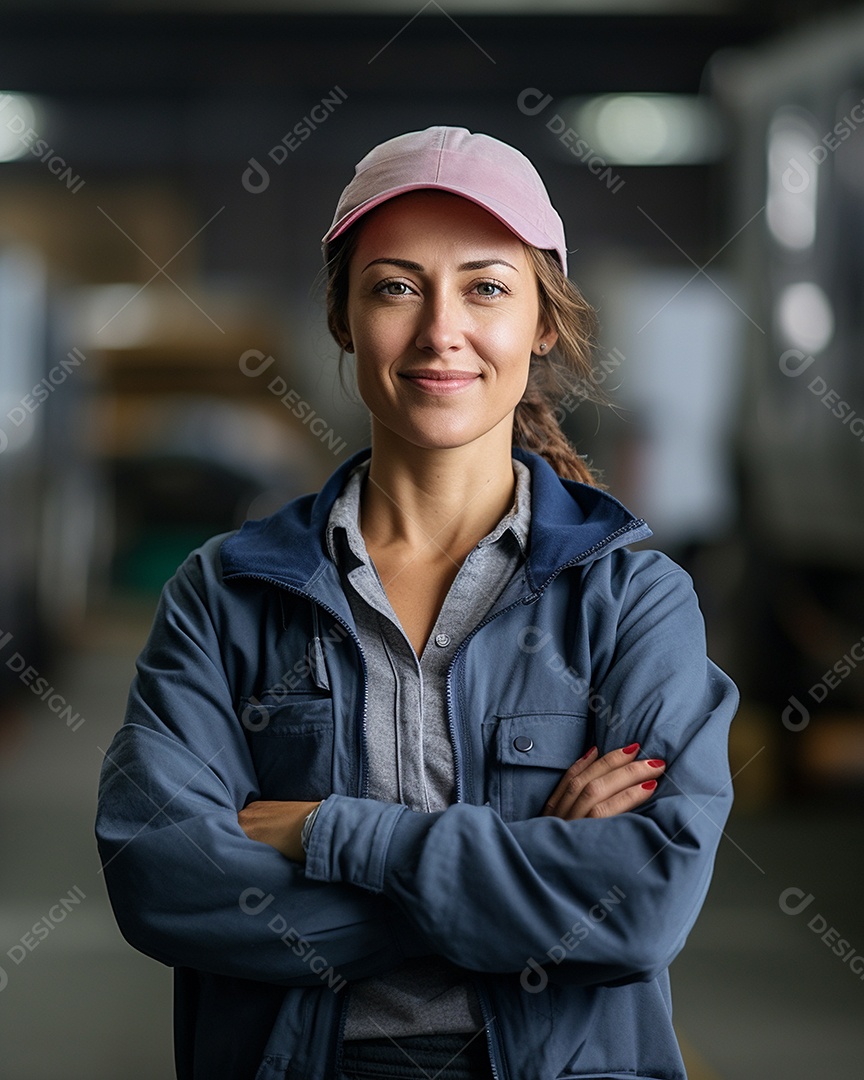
[442, 640]
[523, 743]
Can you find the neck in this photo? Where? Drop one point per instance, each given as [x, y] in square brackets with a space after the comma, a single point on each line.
[437, 498]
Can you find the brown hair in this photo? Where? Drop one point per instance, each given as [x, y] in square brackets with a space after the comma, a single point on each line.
[564, 375]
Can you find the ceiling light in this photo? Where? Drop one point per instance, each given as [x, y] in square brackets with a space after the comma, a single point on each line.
[805, 317]
[790, 201]
[17, 115]
[649, 129]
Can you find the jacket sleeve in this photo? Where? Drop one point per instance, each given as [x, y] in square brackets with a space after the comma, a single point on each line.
[593, 900]
[187, 886]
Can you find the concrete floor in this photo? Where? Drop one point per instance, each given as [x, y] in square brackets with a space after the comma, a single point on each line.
[758, 994]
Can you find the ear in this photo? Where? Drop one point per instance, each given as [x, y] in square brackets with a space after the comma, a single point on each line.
[545, 336]
[342, 334]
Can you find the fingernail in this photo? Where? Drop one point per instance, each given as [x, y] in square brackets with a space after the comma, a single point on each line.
[588, 753]
[631, 749]
[649, 785]
[657, 763]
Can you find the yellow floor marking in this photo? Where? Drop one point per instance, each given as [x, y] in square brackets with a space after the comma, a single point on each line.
[697, 1069]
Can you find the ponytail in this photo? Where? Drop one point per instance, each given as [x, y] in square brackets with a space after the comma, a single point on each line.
[565, 372]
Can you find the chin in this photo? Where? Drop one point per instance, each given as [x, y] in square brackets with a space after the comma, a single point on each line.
[443, 440]
[445, 433]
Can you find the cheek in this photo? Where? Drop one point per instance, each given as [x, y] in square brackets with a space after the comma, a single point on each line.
[375, 385]
[380, 336]
[510, 350]
[514, 333]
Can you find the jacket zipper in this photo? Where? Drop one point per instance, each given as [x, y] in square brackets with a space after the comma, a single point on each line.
[529, 598]
[454, 738]
[492, 1044]
[496, 1054]
[340, 1027]
[317, 659]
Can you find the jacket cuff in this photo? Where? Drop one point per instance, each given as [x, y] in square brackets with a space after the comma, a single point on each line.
[350, 841]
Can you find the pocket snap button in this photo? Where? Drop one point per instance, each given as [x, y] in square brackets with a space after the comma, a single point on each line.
[523, 743]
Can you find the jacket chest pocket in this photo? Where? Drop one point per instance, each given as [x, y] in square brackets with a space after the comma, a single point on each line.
[291, 741]
[527, 755]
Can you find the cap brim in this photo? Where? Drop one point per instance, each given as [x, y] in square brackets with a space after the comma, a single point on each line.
[526, 232]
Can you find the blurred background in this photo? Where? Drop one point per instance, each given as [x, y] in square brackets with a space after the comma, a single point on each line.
[166, 173]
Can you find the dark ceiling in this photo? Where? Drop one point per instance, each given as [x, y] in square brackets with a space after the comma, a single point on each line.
[428, 54]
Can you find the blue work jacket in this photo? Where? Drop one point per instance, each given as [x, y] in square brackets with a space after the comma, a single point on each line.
[252, 686]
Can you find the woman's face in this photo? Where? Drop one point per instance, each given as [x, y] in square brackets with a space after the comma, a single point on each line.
[443, 313]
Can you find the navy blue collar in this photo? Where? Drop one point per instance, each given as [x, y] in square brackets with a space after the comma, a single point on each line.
[570, 523]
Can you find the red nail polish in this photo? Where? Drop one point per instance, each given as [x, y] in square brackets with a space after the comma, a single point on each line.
[657, 763]
[649, 785]
[631, 749]
[588, 753]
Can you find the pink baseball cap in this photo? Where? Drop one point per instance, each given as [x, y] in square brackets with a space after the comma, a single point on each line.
[488, 172]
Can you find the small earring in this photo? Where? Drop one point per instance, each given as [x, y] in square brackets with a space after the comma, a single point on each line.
[542, 346]
[348, 346]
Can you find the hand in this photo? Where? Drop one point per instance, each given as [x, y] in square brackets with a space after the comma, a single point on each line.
[600, 787]
[278, 824]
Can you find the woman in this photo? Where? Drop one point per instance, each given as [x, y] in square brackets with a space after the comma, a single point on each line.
[386, 796]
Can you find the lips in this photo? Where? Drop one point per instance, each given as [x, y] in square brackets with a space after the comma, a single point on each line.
[440, 381]
[438, 373]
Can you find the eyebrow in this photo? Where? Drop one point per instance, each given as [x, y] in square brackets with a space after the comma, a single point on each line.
[476, 264]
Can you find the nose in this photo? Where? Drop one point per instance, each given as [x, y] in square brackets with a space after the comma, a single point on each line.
[442, 324]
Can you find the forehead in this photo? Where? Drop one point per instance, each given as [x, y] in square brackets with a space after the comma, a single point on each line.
[435, 219]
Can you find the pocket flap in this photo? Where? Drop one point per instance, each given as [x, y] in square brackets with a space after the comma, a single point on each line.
[547, 740]
[287, 714]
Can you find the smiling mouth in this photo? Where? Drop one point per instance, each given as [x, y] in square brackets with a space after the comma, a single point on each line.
[436, 381]
[438, 374]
